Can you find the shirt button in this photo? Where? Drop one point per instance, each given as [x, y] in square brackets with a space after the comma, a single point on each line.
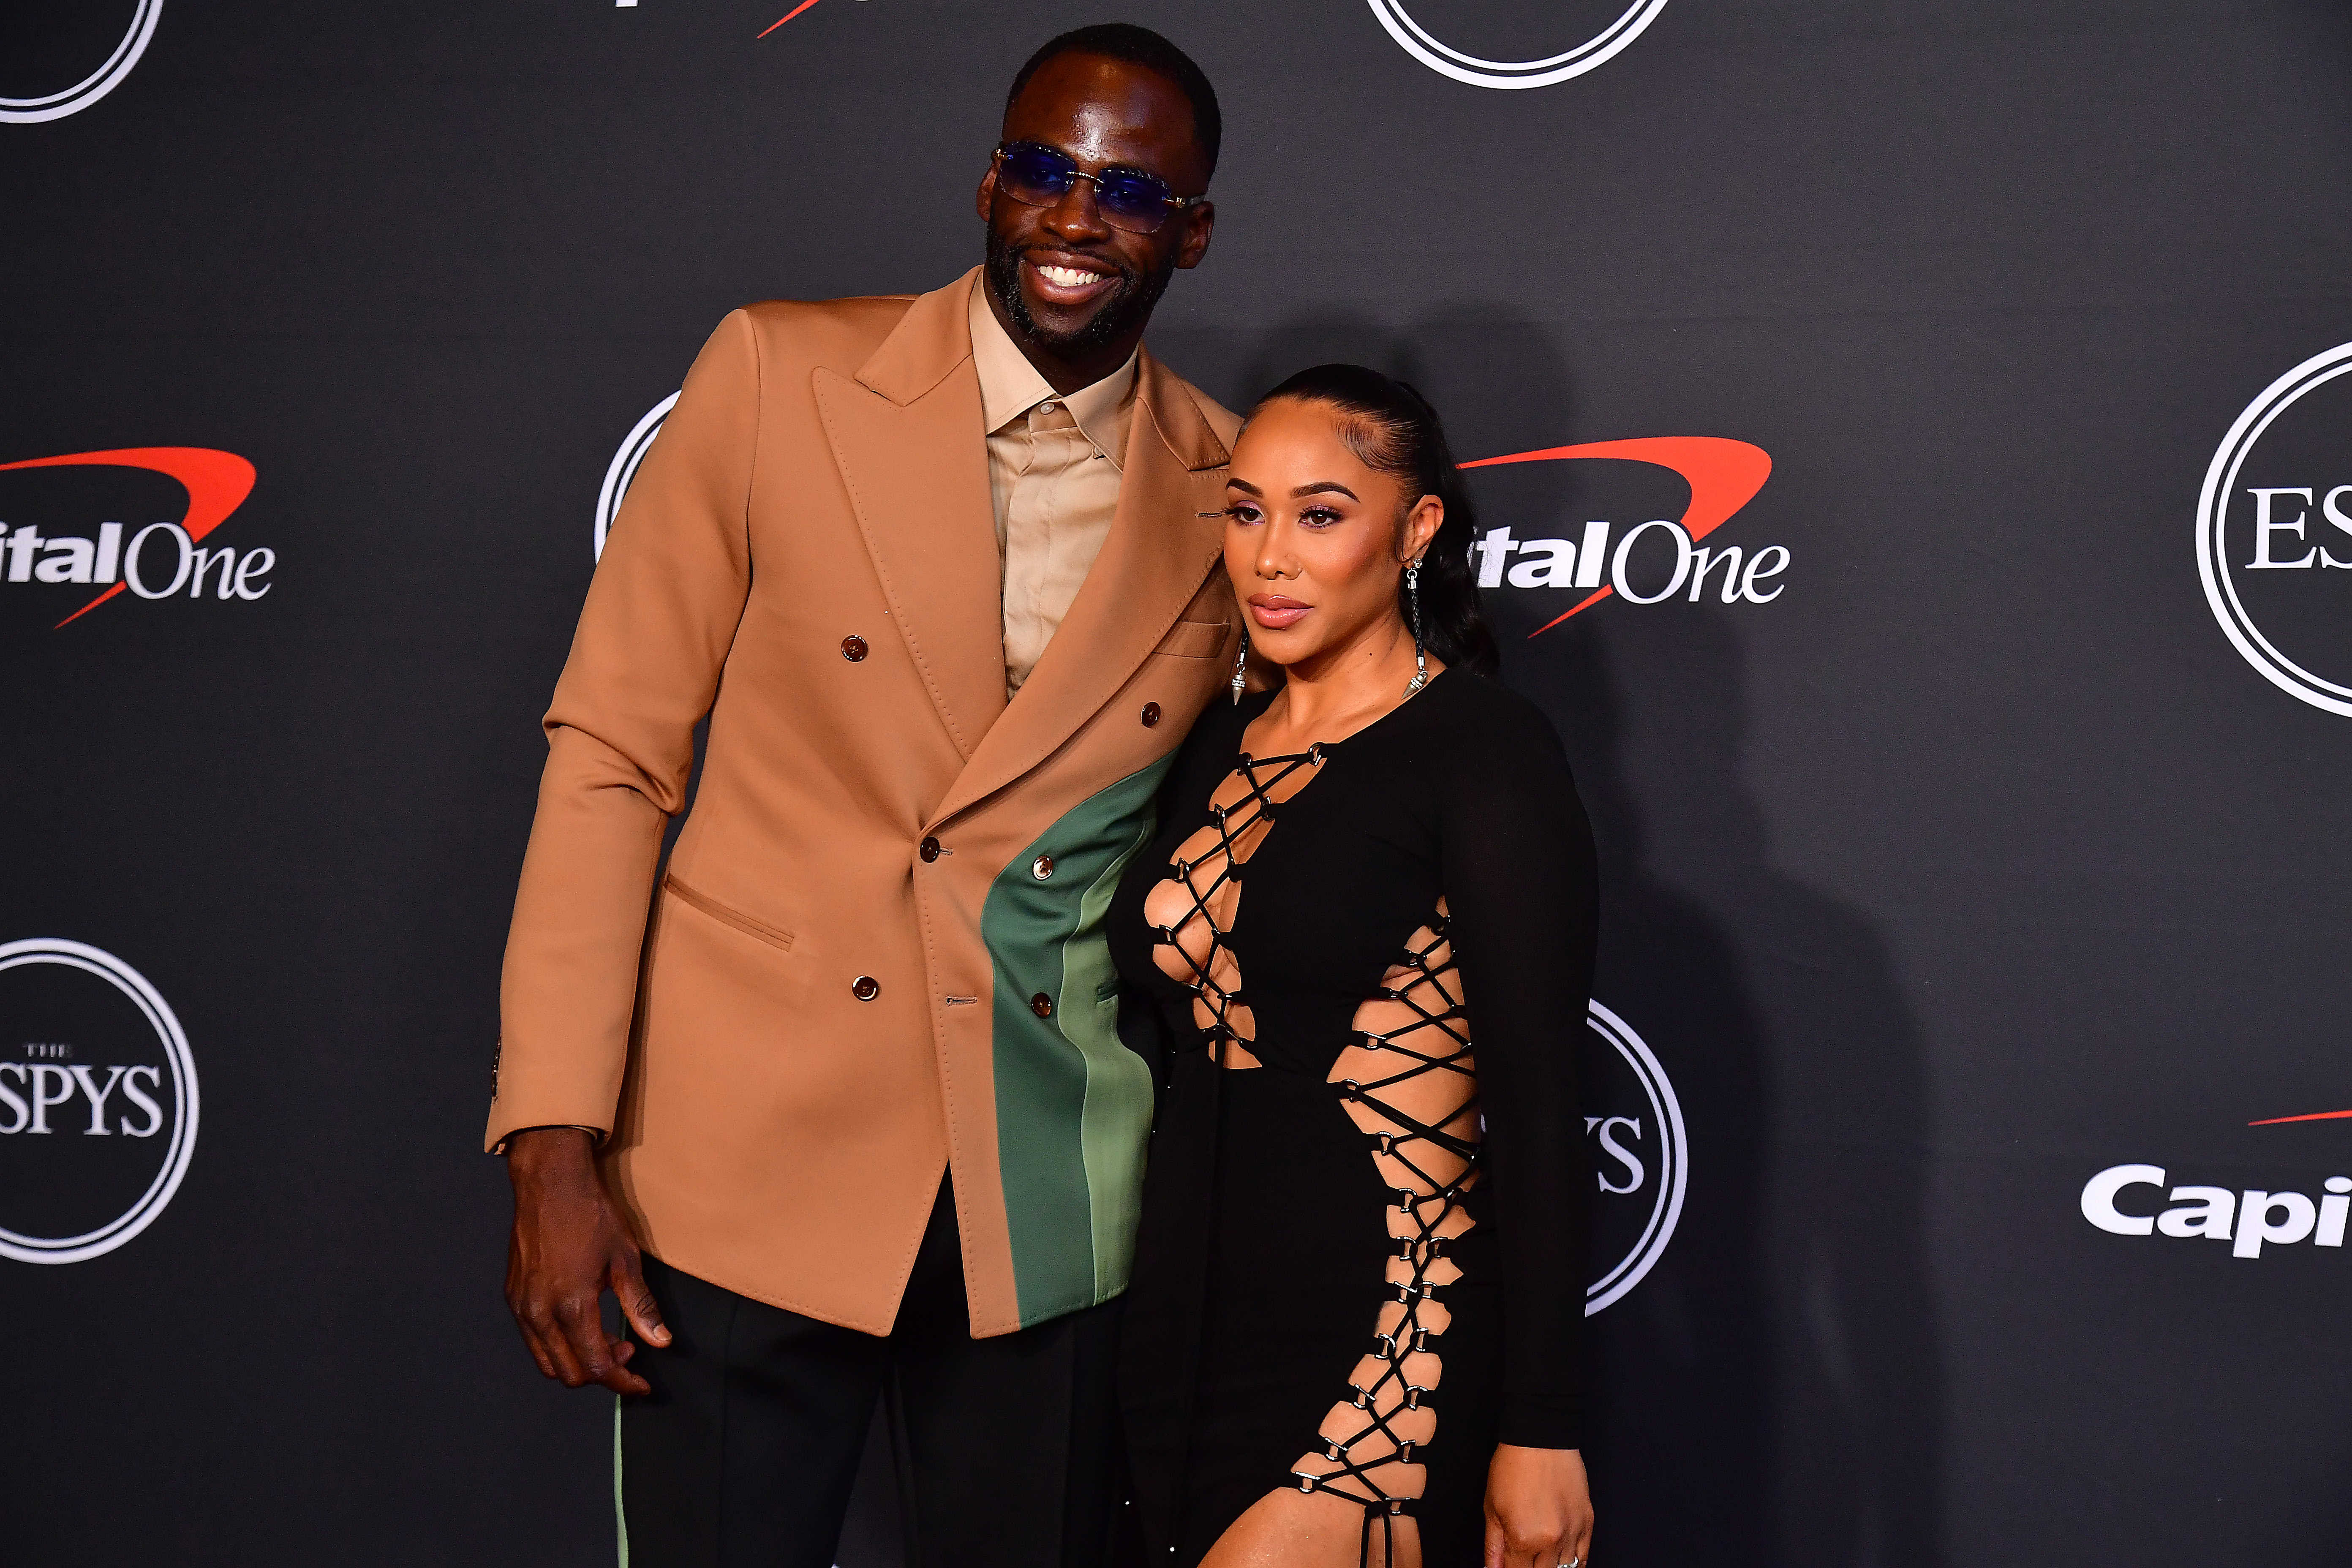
[865, 988]
[1042, 1005]
[1041, 867]
[928, 849]
[1046, 406]
[1150, 714]
[853, 648]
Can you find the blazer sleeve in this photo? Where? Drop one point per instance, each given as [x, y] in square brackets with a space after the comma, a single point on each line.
[661, 615]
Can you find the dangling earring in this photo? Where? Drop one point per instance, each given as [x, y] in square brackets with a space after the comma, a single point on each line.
[1413, 602]
[1240, 662]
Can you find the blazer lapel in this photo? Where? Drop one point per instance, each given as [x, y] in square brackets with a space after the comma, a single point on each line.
[1160, 550]
[906, 435]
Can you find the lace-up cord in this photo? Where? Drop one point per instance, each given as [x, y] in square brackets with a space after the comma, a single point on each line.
[1233, 824]
[1434, 1041]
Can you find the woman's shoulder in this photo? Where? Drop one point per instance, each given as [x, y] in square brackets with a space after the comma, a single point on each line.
[1483, 718]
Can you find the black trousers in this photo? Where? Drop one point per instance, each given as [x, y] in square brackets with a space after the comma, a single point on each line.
[744, 1454]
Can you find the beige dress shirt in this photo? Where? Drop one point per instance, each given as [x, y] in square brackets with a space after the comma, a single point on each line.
[1053, 470]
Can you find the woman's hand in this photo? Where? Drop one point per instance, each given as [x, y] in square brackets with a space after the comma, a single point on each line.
[1538, 1508]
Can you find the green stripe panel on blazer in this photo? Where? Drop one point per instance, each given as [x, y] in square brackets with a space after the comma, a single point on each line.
[1072, 1103]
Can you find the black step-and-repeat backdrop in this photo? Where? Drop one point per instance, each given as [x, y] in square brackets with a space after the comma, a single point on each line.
[1918, 481]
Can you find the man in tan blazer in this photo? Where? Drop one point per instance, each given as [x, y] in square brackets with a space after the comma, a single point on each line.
[940, 572]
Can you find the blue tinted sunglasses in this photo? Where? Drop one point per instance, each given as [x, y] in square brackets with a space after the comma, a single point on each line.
[1040, 176]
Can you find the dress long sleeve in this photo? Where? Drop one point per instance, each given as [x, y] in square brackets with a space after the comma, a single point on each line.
[1519, 877]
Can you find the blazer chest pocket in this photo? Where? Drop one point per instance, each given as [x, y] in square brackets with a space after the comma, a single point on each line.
[1194, 639]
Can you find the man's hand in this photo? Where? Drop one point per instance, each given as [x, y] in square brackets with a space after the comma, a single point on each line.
[1539, 1509]
[569, 1245]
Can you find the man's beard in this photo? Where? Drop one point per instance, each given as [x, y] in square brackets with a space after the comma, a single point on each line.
[1127, 306]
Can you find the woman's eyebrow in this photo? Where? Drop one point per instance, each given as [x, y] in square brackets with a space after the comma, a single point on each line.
[1326, 487]
[1232, 483]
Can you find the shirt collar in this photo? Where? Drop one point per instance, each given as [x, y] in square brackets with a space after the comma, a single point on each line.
[1010, 387]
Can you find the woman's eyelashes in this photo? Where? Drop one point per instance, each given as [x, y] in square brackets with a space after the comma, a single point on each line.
[1249, 515]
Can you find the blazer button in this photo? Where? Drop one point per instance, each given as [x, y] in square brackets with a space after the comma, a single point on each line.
[865, 988]
[928, 849]
[853, 648]
[1042, 1005]
[1150, 714]
[1041, 867]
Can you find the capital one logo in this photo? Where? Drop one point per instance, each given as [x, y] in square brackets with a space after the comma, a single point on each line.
[2274, 532]
[1543, 44]
[97, 1102]
[1640, 1155]
[99, 83]
[2249, 1219]
[149, 560]
[1650, 561]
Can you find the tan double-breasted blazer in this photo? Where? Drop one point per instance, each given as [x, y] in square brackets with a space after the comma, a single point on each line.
[876, 952]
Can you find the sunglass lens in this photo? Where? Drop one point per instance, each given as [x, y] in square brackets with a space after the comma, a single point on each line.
[1134, 202]
[1036, 174]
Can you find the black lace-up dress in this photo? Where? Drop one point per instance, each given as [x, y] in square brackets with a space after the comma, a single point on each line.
[1360, 1262]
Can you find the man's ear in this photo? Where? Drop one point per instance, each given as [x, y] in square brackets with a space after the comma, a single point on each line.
[1198, 221]
[984, 203]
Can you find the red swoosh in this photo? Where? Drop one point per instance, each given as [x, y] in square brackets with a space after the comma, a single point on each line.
[2314, 1116]
[216, 482]
[787, 16]
[1723, 476]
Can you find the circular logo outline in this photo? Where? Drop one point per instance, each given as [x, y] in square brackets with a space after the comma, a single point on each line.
[95, 86]
[1673, 1172]
[166, 1025]
[623, 470]
[1507, 75]
[2213, 501]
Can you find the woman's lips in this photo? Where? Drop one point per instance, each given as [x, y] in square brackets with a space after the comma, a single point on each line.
[1274, 611]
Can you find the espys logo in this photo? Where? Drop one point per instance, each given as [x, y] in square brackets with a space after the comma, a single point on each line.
[153, 561]
[97, 1102]
[1605, 31]
[99, 83]
[1640, 1155]
[1723, 476]
[2275, 527]
[623, 469]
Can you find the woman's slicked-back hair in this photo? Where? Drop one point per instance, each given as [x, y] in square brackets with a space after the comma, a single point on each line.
[1392, 429]
[1138, 47]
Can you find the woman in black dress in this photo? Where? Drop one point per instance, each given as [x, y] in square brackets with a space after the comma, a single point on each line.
[1363, 937]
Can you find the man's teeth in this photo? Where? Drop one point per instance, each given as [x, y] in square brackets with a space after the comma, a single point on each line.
[1067, 277]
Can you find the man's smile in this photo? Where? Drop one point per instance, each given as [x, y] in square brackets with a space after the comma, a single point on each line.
[1061, 279]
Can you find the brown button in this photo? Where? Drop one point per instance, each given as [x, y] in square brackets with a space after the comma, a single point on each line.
[1041, 867]
[1042, 1005]
[853, 648]
[928, 849]
[1150, 714]
[865, 988]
